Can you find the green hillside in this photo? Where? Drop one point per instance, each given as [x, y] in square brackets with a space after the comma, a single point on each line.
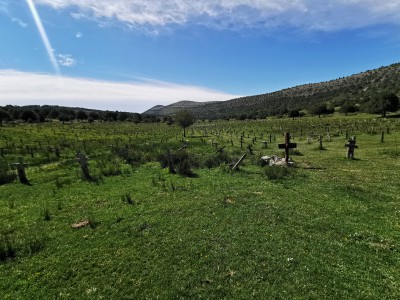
[357, 90]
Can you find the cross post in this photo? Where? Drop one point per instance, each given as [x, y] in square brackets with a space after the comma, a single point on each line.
[83, 161]
[20, 165]
[287, 146]
[351, 145]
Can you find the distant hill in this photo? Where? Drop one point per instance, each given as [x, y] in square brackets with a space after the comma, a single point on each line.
[168, 110]
[356, 89]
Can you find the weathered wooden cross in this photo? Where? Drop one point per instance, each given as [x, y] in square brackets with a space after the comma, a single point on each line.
[351, 145]
[321, 147]
[220, 150]
[170, 161]
[250, 148]
[236, 165]
[21, 171]
[287, 146]
[83, 162]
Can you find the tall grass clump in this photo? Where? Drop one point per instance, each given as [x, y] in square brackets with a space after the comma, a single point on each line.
[6, 174]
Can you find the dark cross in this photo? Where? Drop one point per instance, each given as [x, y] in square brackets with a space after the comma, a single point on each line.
[382, 136]
[21, 171]
[170, 160]
[57, 151]
[287, 146]
[351, 145]
[220, 150]
[83, 161]
[30, 150]
[320, 142]
[250, 148]
[265, 144]
[241, 141]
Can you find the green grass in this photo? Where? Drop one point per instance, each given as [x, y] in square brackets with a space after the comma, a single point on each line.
[327, 229]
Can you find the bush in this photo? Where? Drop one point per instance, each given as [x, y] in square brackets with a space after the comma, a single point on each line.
[6, 174]
[277, 172]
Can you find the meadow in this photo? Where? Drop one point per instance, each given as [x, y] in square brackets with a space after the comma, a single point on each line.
[326, 228]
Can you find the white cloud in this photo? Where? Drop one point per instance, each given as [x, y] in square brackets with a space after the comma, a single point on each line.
[79, 35]
[19, 22]
[22, 88]
[324, 15]
[66, 60]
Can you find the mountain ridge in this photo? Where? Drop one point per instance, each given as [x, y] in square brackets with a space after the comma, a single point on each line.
[355, 89]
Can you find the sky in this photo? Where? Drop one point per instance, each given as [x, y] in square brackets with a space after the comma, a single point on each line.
[130, 55]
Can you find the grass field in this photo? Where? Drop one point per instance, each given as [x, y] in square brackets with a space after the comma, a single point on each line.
[328, 228]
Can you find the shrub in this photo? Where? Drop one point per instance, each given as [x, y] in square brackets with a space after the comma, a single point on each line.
[277, 172]
[7, 248]
[6, 174]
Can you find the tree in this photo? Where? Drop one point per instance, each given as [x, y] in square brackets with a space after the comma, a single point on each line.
[389, 102]
[184, 119]
[294, 113]
[348, 108]
[3, 115]
[28, 116]
[321, 109]
[382, 103]
[94, 115]
[81, 115]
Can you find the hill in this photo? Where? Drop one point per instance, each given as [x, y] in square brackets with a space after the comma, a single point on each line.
[168, 110]
[356, 89]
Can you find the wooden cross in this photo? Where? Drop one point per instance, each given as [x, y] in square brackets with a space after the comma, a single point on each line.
[83, 161]
[351, 145]
[236, 165]
[181, 148]
[287, 146]
[21, 171]
[320, 142]
[170, 160]
[220, 150]
[250, 148]
[265, 144]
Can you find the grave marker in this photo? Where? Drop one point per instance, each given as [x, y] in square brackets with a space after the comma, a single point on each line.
[351, 145]
[236, 165]
[250, 148]
[287, 146]
[21, 171]
[220, 150]
[265, 144]
[170, 160]
[83, 162]
[321, 147]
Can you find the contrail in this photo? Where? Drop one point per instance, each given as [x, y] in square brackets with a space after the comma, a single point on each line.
[44, 37]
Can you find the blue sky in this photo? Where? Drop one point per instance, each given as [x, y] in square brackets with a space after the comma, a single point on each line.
[130, 55]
